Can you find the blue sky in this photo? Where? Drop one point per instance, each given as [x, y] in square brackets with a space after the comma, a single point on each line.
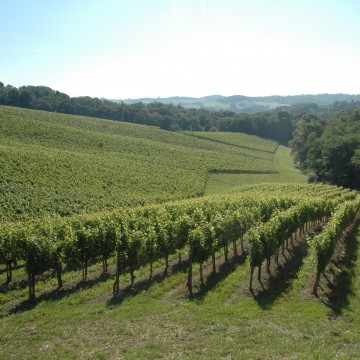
[130, 49]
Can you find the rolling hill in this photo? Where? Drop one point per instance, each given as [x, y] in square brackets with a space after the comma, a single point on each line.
[54, 163]
[246, 104]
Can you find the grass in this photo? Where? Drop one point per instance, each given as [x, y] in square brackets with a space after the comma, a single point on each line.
[253, 143]
[282, 162]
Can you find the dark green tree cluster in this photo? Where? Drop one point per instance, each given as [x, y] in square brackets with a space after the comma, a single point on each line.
[329, 147]
[34, 97]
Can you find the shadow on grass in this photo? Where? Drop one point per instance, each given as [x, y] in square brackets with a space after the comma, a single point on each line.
[58, 294]
[282, 279]
[14, 285]
[214, 278]
[23, 283]
[14, 267]
[341, 286]
[145, 284]
[68, 289]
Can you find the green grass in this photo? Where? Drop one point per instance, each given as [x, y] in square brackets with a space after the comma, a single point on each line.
[283, 163]
[253, 143]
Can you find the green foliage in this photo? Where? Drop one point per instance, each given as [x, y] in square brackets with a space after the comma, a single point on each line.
[206, 327]
[269, 235]
[355, 160]
[53, 163]
[160, 322]
[329, 148]
[308, 129]
[140, 236]
[40, 255]
[12, 241]
[325, 242]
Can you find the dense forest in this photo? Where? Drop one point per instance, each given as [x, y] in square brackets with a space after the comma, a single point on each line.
[329, 147]
[325, 138]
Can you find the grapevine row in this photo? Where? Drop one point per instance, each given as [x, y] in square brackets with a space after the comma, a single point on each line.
[141, 236]
[137, 236]
[325, 242]
[267, 238]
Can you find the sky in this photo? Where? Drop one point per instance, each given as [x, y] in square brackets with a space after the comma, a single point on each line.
[121, 49]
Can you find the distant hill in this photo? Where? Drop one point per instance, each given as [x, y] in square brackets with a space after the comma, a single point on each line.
[246, 104]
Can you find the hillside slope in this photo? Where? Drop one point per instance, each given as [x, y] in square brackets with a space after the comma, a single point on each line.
[285, 173]
[54, 163]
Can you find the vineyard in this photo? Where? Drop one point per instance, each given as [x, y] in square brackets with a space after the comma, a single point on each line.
[258, 271]
[199, 228]
[53, 163]
[242, 231]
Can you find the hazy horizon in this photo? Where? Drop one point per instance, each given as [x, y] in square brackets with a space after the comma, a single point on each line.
[166, 48]
[253, 96]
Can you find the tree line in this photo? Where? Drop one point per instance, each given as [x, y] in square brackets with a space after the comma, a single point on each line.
[273, 125]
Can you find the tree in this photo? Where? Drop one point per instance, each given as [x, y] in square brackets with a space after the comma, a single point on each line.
[312, 178]
[12, 95]
[25, 98]
[355, 160]
[307, 129]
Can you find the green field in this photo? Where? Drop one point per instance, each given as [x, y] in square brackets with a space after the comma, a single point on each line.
[53, 163]
[255, 144]
[285, 173]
